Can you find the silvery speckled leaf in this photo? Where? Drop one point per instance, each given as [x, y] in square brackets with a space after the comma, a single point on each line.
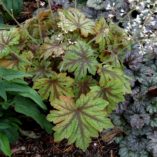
[90, 12]
[133, 60]
[152, 106]
[131, 146]
[135, 144]
[64, 3]
[153, 122]
[152, 145]
[138, 107]
[96, 4]
[148, 83]
[139, 120]
[119, 121]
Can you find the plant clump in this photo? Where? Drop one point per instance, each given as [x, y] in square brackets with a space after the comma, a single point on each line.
[76, 65]
[137, 117]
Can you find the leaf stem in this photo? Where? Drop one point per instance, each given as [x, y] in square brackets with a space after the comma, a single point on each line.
[49, 3]
[39, 22]
[75, 3]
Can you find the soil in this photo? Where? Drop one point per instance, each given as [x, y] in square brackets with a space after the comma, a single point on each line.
[44, 146]
[35, 142]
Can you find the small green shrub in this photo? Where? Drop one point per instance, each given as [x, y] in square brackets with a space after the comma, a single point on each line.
[17, 97]
[75, 64]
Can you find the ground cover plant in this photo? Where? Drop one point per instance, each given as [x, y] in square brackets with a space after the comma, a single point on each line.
[76, 65]
[137, 116]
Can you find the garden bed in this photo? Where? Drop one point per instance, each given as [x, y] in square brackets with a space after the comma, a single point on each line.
[86, 71]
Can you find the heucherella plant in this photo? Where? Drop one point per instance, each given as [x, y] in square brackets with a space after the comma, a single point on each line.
[76, 64]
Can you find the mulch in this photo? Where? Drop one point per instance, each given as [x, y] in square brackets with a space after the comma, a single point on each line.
[44, 146]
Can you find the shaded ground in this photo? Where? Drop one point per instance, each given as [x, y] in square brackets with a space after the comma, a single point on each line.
[37, 143]
[46, 147]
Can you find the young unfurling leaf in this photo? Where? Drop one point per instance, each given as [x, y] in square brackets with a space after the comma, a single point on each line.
[101, 30]
[111, 37]
[79, 121]
[118, 38]
[55, 86]
[80, 59]
[47, 24]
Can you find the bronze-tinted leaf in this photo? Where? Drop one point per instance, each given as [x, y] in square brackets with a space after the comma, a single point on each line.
[79, 121]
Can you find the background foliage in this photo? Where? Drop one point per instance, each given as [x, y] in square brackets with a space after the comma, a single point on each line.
[14, 7]
[137, 116]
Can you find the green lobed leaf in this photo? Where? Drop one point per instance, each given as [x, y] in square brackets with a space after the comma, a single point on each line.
[48, 23]
[109, 72]
[41, 69]
[79, 121]
[53, 87]
[17, 60]
[111, 38]
[72, 19]
[110, 91]
[52, 48]
[80, 59]
[101, 30]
